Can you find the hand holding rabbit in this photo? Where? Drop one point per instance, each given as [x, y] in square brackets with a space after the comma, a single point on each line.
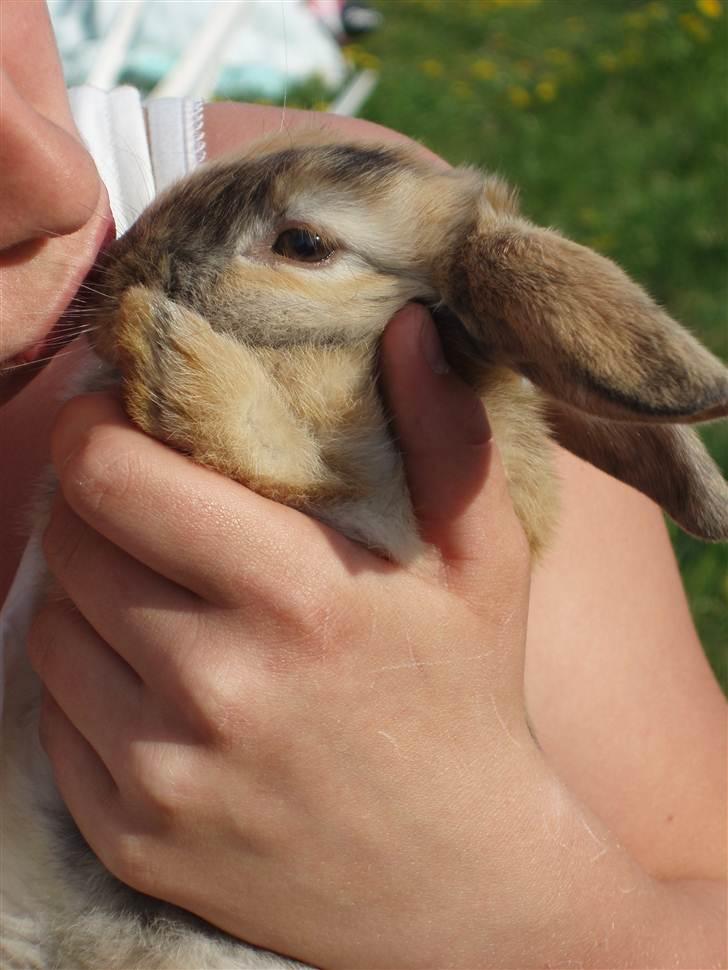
[274, 720]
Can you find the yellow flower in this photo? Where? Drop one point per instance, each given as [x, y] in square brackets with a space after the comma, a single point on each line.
[589, 216]
[432, 68]
[519, 97]
[369, 61]
[710, 8]
[636, 20]
[657, 10]
[554, 55]
[321, 106]
[483, 70]
[462, 90]
[632, 54]
[576, 25]
[354, 54]
[695, 26]
[546, 90]
[607, 61]
[602, 243]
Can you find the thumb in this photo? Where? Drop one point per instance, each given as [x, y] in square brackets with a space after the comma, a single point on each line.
[454, 469]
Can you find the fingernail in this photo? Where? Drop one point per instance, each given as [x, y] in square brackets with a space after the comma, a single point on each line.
[432, 347]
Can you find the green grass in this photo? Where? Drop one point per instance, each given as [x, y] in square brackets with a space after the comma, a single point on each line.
[612, 119]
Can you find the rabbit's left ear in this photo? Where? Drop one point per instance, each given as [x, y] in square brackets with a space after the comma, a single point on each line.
[667, 462]
[575, 324]
[620, 375]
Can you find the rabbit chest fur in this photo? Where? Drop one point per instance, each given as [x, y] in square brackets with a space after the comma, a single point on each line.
[241, 315]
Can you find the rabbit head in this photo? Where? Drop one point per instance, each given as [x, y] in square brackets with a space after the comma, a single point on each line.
[244, 307]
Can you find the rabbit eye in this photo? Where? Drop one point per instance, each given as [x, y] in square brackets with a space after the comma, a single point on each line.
[303, 245]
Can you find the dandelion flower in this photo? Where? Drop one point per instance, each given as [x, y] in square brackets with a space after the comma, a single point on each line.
[710, 8]
[632, 54]
[369, 61]
[462, 90]
[695, 26]
[519, 96]
[558, 57]
[432, 68]
[608, 62]
[546, 90]
[602, 243]
[657, 10]
[637, 20]
[483, 70]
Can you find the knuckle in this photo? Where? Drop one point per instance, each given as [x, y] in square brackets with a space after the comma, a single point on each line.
[126, 855]
[97, 470]
[223, 712]
[159, 780]
[312, 619]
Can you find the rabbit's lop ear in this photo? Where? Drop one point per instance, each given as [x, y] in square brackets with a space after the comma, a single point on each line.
[575, 324]
[668, 463]
[620, 374]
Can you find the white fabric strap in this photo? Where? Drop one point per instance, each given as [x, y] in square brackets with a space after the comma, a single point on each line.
[113, 128]
[176, 138]
[134, 169]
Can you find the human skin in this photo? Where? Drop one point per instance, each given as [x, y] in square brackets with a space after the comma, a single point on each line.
[404, 824]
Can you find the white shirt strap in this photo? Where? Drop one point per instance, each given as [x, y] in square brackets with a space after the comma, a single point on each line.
[176, 138]
[113, 128]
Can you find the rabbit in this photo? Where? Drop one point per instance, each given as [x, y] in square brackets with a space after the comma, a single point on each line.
[241, 316]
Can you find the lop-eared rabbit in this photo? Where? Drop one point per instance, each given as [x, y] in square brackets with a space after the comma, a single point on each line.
[241, 315]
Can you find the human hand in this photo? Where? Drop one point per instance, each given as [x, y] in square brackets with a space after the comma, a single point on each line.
[320, 752]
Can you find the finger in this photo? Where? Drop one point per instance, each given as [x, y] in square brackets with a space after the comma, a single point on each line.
[93, 798]
[96, 690]
[202, 531]
[151, 622]
[454, 470]
[83, 781]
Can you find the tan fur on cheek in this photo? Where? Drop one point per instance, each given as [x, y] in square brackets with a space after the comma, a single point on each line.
[285, 304]
[211, 397]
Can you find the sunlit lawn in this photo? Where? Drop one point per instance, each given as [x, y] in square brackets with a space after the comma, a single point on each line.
[612, 118]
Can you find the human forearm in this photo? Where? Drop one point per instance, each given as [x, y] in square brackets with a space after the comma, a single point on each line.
[600, 909]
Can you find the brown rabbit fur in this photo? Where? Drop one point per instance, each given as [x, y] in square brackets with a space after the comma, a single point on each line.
[232, 347]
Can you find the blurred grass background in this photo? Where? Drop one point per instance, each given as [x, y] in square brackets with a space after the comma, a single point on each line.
[612, 119]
